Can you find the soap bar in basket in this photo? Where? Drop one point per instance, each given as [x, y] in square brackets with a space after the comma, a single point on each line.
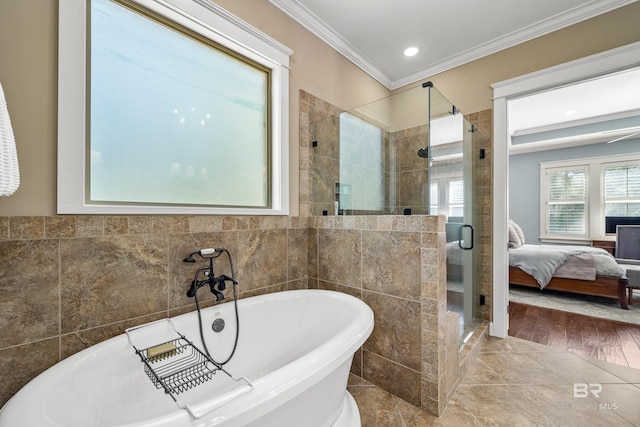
[161, 351]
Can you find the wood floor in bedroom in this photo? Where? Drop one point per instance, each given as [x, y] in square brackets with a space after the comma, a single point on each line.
[601, 339]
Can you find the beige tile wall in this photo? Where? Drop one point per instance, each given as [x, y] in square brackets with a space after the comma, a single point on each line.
[411, 175]
[394, 264]
[483, 199]
[68, 282]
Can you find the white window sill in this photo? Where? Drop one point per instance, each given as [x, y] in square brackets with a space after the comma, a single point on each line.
[566, 240]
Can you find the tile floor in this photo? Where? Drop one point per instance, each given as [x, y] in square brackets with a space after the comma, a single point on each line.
[514, 382]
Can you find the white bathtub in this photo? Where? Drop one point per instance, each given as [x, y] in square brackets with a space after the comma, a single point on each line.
[292, 363]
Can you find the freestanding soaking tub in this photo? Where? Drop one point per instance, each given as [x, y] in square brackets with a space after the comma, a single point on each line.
[290, 368]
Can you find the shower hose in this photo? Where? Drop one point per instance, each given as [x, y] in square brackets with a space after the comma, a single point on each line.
[235, 303]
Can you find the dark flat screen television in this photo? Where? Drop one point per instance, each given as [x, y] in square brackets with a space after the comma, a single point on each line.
[611, 222]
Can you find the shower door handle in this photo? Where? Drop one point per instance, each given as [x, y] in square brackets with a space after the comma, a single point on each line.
[466, 248]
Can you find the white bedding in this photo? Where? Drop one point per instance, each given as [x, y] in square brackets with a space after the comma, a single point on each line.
[543, 261]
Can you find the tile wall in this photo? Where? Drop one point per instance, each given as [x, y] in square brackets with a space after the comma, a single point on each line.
[396, 264]
[410, 174]
[68, 282]
[483, 199]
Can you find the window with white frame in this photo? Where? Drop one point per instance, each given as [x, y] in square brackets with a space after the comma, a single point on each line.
[163, 112]
[566, 201]
[576, 195]
[622, 189]
[446, 196]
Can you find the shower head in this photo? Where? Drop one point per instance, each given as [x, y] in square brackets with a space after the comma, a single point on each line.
[423, 152]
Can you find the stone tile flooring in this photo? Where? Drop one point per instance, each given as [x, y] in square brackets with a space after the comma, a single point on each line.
[514, 382]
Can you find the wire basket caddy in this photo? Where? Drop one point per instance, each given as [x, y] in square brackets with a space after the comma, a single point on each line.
[176, 365]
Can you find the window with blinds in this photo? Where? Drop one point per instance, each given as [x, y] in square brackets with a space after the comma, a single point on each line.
[434, 206]
[566, 191]
[446, 197]
[622, 190]
[455, 198]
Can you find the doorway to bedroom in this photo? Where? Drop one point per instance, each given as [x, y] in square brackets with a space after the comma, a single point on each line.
[536, 145]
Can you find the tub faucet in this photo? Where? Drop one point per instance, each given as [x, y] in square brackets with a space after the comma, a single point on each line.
[208, 272]
[219, 295]
[220, 281]
[210, 280]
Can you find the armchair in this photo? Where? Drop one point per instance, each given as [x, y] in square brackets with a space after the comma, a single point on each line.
[628, 255]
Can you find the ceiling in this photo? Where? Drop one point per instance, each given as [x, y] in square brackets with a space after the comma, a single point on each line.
[603, 109]
[374, 33]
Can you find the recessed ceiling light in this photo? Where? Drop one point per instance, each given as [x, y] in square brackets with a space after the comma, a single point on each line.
[569, 112]
[411, 51]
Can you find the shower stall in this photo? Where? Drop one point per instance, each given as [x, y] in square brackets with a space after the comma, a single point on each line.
[412, 153]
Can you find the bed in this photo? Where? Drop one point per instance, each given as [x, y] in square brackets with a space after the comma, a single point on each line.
[581, 270]
[603, 286]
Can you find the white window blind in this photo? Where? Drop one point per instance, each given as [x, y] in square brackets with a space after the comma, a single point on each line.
[577, 194]
[566, 202]
[456, 198]
[433, 198]
[622, 190]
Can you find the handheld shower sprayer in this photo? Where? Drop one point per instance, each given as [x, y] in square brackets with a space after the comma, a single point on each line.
[217, 285]
[202, 253]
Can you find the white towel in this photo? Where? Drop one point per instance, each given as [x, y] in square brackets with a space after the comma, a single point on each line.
[9, 172]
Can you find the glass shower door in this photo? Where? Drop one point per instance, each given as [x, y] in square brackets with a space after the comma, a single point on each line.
[451, 177]
[467, 239]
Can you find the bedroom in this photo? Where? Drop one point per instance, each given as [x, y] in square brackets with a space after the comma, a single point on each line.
[573, 159]
[595, 122]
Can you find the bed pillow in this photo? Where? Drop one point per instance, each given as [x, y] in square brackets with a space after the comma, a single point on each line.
[514, 239]
[519, 231]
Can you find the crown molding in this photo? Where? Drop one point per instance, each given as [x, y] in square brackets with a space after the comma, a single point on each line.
[610, 61]
[319, 28]
[244, 26]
